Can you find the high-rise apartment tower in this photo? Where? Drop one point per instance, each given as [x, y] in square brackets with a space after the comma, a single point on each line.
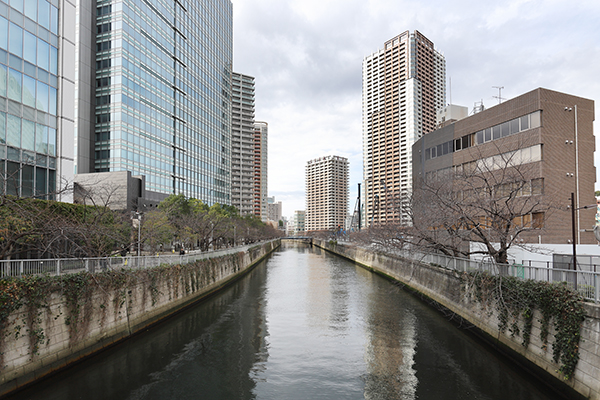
[403, 86]
[327, 193]
[242, 143]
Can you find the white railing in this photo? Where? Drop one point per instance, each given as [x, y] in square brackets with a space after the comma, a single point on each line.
[585, 279]
[60, 266]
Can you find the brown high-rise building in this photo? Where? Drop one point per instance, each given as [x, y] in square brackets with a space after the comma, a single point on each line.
[326, 193]
[403, 87]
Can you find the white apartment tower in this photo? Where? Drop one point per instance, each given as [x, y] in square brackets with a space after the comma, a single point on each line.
[242, 143]
[403, 87]
[327, 193]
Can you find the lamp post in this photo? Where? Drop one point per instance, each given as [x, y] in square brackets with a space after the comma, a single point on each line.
[139, 226]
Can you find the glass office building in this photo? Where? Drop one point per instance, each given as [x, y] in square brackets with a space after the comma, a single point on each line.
[162, 104]
[29, 82]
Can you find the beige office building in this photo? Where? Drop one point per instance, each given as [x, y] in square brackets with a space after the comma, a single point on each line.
[261, 135]
[403, 87]
[327, 193]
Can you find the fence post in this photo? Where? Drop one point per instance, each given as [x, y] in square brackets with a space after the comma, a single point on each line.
[58, 267]
[21, 268]
[87, 264]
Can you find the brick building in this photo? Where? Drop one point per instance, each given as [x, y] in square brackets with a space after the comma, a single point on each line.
[549, 132]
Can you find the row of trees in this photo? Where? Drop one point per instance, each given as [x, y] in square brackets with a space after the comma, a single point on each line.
[191, 224]
[33, 228]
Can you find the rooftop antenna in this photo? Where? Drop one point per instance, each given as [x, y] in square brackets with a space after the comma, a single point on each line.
[478, 107]
[499, 97]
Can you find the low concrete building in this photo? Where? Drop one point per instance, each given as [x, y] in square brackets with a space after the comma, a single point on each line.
[116, 190]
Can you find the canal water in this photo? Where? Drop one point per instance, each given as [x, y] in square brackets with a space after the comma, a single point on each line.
[302, 325]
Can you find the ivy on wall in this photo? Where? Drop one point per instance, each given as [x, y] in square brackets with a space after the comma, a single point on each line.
[515, 301]
[25, 301]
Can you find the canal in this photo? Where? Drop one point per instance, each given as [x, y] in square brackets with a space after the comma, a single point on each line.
[302, 325]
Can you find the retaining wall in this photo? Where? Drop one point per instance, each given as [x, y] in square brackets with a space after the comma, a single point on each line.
[445, 288]
[68, 326]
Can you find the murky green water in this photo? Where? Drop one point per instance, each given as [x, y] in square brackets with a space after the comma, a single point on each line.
[302, 325]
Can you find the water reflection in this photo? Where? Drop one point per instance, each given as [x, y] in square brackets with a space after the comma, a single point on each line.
[303, 325]
[391, 344]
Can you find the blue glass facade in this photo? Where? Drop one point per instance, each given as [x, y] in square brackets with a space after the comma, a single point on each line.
[28, 96]
[163, 95]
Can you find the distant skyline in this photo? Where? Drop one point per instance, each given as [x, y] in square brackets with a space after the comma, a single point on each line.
[307, 60]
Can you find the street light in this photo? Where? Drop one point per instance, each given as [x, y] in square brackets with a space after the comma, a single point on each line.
[138, 218]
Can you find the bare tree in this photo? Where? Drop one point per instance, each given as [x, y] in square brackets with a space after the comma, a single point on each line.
[492, 201]
[31, 226]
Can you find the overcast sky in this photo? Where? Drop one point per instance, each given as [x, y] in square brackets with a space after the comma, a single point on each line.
[306, 56]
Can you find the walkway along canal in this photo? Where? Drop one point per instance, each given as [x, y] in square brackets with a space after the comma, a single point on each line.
[303, 324]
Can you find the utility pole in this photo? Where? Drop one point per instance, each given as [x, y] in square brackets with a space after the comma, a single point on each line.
[359, 212]
[573, 232]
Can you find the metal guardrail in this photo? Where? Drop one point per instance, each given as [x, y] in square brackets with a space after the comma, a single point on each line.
[61, 266]
[587, 283]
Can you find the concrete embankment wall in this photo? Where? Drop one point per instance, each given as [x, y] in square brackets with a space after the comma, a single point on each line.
[446, 288]
[73, 317]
